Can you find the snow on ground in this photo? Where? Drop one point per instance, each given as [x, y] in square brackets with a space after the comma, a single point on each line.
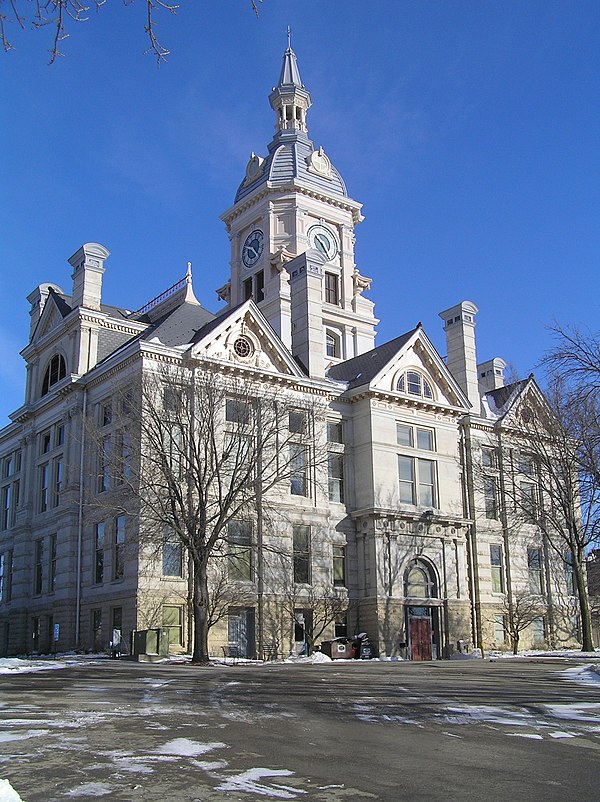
[8, 793]
[586, 675]
[22, 665]
[248, 782]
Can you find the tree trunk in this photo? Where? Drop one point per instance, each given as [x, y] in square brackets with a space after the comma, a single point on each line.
[587, 643]
[200, 610]
[516, 644]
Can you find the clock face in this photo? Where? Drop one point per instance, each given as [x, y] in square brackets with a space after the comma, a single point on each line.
[323, 240]
[252, 248]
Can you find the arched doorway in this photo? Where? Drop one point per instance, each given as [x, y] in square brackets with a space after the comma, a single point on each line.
[422, 616]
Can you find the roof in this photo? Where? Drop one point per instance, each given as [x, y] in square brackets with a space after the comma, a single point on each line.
[362, 369]
[180, 326]
[502, 397]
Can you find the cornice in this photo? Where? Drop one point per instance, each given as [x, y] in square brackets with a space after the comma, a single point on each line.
[347, 204]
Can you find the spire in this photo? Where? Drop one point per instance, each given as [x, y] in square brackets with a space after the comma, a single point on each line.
[289, 99]
[290, 74]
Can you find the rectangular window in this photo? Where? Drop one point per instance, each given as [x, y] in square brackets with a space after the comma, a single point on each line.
[417, 481]
[425, 439]
[6, 560]
[404, 435]
[301, 545]
[570, 574]
[490, 495]
[526, 464]
[427, 483]
[172, 399]
[534, 568]
[335, 464]
[339, 566]
[5, 506]
[123, 466]
[247, 289]
[57, 480]
[406, 471]
[528, 502]
[119, 546]
[332, 295]
[59, 434]
[297, 422]
[52, 577]
[172, 621]
[38, 567]
[298, 470]
[172, 555]
[340, 627]
[104, 465]
[237, 411]
[43, 485]
[499, 630]
[497, 569]
[538, 631]
[105, 413]
[239, 535]
[45, 442]
[335, 432]
[97, 629]
[488, 457]
[99, 553]
[259, 294]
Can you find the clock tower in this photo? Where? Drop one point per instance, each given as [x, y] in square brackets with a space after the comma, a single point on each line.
[292, 202]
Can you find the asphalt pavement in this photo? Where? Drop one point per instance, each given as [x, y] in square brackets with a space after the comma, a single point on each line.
[464, 730]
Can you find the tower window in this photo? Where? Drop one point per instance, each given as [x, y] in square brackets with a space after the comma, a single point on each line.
[55, 371]
[259, 294]
[332, 294]
[332, 344]
[247, 289]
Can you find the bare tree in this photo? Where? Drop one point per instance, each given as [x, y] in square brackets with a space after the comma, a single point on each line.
[575, 359]
[523, 609]
[204, 454]
[58, 14]
[549, 481]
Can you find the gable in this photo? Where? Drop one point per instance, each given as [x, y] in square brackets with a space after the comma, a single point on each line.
[50, 319]
[417, 372]
[244, 338]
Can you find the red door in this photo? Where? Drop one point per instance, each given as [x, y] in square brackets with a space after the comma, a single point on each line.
[420, 639]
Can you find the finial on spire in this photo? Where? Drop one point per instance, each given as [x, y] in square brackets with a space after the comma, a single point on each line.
[289, 35]
[188, 275]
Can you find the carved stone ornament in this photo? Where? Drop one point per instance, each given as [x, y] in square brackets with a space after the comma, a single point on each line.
[254, 168]
[224, 292]
[280, 258]
[360, 283]
[319, 163]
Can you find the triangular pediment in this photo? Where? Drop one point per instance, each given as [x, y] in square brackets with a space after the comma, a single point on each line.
[244, 338]
[523, 400]
[50, 318]
[417, 372]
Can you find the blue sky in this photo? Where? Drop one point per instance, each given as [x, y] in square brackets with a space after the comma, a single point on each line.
[470, 131]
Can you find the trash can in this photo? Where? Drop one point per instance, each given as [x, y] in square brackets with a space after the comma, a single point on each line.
[338, 649]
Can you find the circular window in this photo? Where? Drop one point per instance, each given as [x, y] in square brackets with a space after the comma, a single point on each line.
[243, 347]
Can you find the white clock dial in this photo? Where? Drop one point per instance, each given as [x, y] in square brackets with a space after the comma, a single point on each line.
[252, 248]
[323, 240]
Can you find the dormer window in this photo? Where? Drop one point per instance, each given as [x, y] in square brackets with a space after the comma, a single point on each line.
[414, 383]
[55, 371]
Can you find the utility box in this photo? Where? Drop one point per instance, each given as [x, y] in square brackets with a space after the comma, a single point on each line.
[149, 644]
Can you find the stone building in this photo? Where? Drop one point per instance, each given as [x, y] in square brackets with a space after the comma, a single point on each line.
[403, 531]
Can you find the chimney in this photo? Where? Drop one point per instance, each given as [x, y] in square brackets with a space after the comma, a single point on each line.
[306, 285]
[491, 374]
[459, 325]
[88, 264]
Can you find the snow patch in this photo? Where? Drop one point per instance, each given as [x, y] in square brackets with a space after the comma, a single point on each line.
[8, 793]
[184, 747]
[91, 789]
[530, 735]
[248, 782]
[588, 712]
[21, 736]
[317, 657]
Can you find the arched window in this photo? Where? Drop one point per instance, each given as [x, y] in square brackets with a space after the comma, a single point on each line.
[55, 371]
[332, 344]
[414, 383]
[420, 582]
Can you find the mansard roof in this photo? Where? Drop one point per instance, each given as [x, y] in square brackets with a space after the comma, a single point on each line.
[287, 163]
[180, 326]
[364, 368]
